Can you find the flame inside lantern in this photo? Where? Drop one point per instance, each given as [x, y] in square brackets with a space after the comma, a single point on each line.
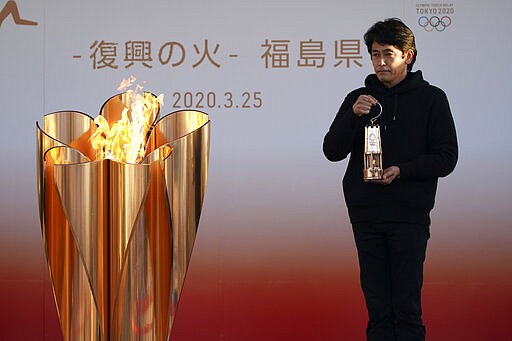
[125, 139]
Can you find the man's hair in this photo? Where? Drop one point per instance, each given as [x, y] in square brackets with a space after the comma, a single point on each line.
[394, 32]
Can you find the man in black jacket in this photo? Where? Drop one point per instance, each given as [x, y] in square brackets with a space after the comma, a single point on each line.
[391, 217]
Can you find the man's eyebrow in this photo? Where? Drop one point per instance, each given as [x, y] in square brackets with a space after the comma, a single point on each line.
[385, 50]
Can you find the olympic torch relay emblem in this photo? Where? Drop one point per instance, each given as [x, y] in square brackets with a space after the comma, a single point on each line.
[120, 199]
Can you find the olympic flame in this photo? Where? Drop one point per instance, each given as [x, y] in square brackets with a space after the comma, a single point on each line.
[125, 140]
[119, 226]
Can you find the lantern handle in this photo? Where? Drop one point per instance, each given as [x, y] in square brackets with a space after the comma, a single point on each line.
[373, 119]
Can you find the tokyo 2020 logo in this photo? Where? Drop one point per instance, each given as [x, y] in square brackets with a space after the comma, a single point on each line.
[434, 23]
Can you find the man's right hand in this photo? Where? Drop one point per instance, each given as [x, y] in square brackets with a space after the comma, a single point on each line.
[363, 105]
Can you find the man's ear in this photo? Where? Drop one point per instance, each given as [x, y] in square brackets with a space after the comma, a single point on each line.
[409, 55]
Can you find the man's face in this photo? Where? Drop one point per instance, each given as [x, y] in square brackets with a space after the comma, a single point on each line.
[390, 64]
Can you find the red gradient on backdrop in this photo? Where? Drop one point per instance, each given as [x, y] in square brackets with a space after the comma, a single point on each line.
[317, 296]
[297, 283]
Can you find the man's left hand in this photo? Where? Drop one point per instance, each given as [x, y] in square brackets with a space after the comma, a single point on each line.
[388, 175]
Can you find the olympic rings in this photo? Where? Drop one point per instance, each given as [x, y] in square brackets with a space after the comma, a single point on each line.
[434, 23]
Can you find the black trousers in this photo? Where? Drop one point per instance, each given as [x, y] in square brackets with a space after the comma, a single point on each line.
[391, 257]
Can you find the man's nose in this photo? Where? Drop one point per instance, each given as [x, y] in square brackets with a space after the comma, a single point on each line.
[381, 61]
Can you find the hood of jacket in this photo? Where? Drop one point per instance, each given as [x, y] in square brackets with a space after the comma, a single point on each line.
[389, 97]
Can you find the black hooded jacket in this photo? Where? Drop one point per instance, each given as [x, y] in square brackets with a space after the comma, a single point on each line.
[418, 135]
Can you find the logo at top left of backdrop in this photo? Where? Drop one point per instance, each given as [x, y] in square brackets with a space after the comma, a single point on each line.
[11, 9]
